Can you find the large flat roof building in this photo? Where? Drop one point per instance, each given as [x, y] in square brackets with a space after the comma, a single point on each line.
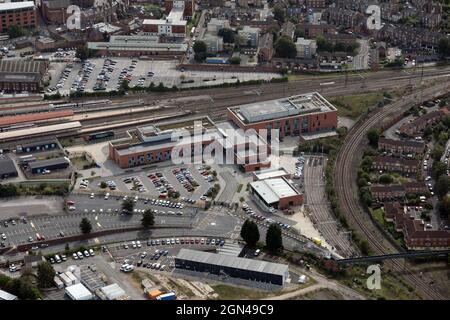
[135, 46]
[236, 267]
[293, 115]
[276, 193]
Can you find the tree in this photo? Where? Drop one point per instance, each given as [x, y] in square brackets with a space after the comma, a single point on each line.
[285, 48]
[124, 86]
[148, 219]
[15, 31]
[103, 185]
[82, 53]
[45, 274]
[67, 247]
[444, 47]
[442, 186]
[235, 60]
[373, 135]
[250, 232]
[227, 34]
[274, 240]
[445, 205]
[8, 190]
[85, 226]
[439, 168]
[128, 205]
[200, 49]
[437, 152]
[385, 178]
[278, 13]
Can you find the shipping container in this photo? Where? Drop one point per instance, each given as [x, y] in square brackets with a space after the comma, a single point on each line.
[59, 284]
[67, 282]
[154, 294]
[167, 296]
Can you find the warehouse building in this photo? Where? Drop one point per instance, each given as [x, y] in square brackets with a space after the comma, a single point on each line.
[292, 116]
[20, 75]
[37, 146]
[50, 164]
[79, 292]
[230, 266]
[277, 193]
[7, 168]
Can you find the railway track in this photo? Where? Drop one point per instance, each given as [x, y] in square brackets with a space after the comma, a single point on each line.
[345, 184]
[319, 207]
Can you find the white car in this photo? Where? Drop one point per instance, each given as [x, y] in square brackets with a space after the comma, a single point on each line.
[75, 256]
[138, 244]
[91, 252]
[133, 244]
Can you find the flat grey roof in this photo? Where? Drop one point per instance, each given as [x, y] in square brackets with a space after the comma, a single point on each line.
[7, 166]
[48, 162]
[37, 143]
[7, 296]
[270, 173]
[273, 109]
[272, 190]
[233, 262]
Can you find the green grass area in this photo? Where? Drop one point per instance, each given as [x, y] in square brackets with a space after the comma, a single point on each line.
[355, 105]
[378, 215]
[67, 142]
[392, 288]
[82, 163]
[226, 292]
[239, 188]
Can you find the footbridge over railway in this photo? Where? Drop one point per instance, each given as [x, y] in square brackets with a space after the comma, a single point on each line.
[400, 255]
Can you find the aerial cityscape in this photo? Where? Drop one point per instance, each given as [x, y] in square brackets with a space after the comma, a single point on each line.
[225, 150]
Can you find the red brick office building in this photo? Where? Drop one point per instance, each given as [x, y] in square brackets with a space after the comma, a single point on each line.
[20, 14]
[292, 116]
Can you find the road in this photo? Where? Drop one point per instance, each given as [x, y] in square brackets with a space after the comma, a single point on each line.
[345, 181]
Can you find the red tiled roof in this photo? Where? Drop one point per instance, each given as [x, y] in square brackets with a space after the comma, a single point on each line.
[32, 117]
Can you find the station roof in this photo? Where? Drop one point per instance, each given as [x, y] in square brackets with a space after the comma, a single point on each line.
[233, 262]
[32, 117]
[16, 134]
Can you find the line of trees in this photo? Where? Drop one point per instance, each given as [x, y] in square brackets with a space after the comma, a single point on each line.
[250, 234]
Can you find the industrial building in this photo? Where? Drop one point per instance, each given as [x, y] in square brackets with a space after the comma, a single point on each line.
[7, 168]
[137, 46]
[18, 14]
[295, 115]
[276, 193]
[50, 164]
[20, 75]
[37, 146]
[79, 292]
[231, 266]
